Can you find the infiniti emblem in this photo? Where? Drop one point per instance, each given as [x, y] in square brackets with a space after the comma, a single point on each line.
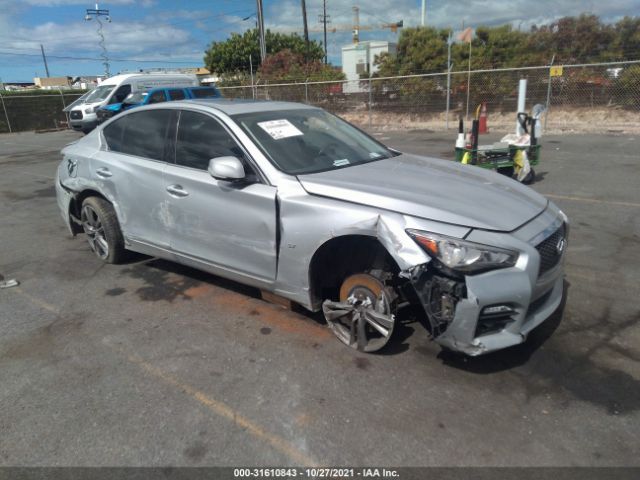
[560, 246]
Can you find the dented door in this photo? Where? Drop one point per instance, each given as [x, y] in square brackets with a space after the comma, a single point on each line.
[233, 227]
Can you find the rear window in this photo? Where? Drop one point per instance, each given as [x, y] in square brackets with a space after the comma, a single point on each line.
[142, 134]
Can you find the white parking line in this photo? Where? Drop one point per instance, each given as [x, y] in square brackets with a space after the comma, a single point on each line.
[590, 200]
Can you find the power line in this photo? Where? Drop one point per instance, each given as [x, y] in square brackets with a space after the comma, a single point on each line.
[68, 57]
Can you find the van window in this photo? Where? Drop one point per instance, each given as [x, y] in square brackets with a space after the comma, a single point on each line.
[121, 93]
[176, 94]
[142, 134]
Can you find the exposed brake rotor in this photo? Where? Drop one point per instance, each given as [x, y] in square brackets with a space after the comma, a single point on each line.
[363, 318]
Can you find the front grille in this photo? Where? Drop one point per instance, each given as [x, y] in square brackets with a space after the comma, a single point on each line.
[75, 115]
[550, 253]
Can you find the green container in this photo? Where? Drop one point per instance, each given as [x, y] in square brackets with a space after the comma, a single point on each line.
[499, 157]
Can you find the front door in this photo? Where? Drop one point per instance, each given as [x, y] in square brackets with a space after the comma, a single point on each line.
[231, 225]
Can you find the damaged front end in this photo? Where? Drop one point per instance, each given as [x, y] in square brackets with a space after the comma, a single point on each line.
[441, 287]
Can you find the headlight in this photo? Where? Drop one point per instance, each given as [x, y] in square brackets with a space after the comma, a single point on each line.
[462, 256]
[88, 110]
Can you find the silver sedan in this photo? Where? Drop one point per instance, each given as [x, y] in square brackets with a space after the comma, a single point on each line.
[302, 205]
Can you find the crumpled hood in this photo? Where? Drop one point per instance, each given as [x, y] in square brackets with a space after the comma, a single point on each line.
[433, 189]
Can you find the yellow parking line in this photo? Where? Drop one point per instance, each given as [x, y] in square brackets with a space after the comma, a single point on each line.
[224, 411]
[37, 301]
[217, 407]
[591, 200]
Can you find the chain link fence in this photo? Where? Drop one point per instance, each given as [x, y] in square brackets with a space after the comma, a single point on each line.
[22, 111]
[578, 97]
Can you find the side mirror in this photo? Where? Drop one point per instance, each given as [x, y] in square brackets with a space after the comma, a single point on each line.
[226, 168]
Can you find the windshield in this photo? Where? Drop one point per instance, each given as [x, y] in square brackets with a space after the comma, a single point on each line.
[99, 94]
[309, 140]
[137, 97]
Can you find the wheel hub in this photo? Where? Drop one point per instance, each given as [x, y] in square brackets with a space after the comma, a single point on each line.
[363, 318]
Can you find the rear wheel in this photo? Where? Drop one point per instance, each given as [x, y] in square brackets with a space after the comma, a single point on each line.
[101, 227]
[365, 315]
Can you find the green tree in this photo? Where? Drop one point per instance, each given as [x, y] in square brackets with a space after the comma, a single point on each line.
[290, 66]
[230, 57]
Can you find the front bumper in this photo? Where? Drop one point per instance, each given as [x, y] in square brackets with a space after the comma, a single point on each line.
[84, 124]
[531, 297]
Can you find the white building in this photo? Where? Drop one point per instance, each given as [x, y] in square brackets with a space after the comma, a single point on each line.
[358, 61]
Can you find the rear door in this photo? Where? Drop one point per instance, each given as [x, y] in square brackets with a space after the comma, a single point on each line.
[131, 172]
[226, 224]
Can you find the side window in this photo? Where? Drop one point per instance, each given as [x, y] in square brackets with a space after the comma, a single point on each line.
[142, 134]
[201, 138]
[176, 94]
[157, 97]
[121, 93]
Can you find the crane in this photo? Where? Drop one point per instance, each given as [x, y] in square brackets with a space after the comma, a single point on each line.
[355, 28]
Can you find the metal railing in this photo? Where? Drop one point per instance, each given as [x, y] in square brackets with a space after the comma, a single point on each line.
[581, 93]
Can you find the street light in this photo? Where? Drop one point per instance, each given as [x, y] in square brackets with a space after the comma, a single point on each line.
[97, 13]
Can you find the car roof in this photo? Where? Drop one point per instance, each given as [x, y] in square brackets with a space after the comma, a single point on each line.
[234, 106]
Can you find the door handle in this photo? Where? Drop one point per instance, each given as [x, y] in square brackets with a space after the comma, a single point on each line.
[104, 172]
[177, 190]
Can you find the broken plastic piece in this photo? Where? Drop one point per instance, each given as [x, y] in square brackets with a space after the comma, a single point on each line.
[9, 283]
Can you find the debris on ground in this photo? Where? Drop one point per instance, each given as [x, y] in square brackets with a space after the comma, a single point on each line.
[9, 283]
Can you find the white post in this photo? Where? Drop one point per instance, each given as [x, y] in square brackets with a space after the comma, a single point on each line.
[522, 94]
[6, 115]
[424, 11]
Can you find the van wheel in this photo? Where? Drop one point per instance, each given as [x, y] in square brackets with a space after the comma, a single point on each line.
[365, 315]
[100, 224]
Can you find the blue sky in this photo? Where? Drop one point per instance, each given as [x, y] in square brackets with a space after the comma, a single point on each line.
[166, 33]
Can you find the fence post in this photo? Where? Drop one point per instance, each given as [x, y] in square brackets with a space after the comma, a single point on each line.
[64, 105]
[370, 95]
[306, 90]
[6, 115]
[546, 115]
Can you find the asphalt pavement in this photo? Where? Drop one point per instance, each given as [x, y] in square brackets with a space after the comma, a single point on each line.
[151, 363]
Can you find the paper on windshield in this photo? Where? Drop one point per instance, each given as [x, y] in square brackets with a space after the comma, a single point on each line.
[279, 129]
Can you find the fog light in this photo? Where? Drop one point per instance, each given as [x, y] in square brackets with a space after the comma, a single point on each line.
[497, 310]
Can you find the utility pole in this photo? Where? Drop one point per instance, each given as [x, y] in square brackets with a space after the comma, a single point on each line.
[263, 46]
[323, 18]
[424, 11]
[44, 59]
[449, 65]
[306, 30]
[97, 13]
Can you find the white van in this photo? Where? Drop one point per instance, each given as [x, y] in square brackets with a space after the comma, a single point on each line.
[82, 115]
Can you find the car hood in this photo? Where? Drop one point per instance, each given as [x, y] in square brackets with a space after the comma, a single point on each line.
[433, 189]
[113, 107]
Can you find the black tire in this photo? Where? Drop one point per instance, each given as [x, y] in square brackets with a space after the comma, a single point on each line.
[530, 178]
[100, 225]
